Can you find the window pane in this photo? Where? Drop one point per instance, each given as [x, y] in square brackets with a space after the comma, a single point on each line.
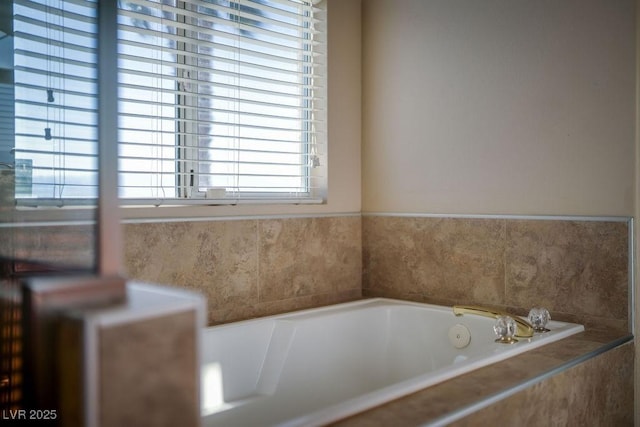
[212, 93]
[56, 105]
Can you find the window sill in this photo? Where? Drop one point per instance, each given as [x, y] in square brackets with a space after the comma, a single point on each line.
[134, 211]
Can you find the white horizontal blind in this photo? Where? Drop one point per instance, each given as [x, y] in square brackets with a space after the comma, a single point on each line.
[7, 126]
[214, 94]
[55, 100]
[222, 95]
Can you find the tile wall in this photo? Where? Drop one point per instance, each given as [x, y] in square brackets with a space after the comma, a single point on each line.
[255, 267]
[251, 267]
[598, 392]
[577, 269]
[7, 185]
[61, 246]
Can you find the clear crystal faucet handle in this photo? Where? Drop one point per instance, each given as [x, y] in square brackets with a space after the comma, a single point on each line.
[539, 317]
[505, 328]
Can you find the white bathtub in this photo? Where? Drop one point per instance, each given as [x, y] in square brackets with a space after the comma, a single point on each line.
[315, 366]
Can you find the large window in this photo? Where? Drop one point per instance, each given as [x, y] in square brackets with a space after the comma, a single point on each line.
[219, 101]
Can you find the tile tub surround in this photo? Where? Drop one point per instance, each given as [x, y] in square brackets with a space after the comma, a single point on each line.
[169, 393]
[63, 246]
[577, 269]
[68, 245]
[7, 186]
[598, 391]
[135, 363]
[251, 267]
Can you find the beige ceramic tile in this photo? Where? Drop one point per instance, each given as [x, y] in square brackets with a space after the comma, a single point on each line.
[63, 246]
[610, 372]
[594, 322]
[6, 243]
[253, 268]
[7, 190]
[597, 392]
[217, 258]
[242, 312]
[70, 246]
[577, 269]
[449, 258]
[7, 206]
[138, 389]
[571, 267]
[309, 256]
[444, 398]
[303, 262]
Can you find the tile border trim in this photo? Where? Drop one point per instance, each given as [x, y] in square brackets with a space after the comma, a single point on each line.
[499, 396]
[499, 216]
[239, 217]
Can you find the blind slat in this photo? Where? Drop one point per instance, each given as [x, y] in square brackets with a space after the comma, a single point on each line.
[255, 48]
[231, 87]
[230, 92]
[202, 10]
[179, 70]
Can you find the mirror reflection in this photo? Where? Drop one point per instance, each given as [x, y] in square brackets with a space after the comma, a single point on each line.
[48, 134]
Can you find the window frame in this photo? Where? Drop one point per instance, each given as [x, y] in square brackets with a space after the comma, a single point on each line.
[259, 199]
[188, 168]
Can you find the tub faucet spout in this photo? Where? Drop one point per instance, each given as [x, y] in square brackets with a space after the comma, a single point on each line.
[524, 328]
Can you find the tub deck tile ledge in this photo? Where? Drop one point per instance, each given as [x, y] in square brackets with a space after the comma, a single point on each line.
[457, 398]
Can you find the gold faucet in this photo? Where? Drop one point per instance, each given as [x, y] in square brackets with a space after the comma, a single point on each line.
[524, 328]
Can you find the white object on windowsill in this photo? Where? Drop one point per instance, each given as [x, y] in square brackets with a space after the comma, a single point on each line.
[216, 193]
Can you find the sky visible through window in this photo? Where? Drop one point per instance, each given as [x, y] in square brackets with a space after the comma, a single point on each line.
[216, 96]
[56, 104]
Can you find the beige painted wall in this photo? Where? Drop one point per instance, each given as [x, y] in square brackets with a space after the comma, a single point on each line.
[499, 106]
[344, 90]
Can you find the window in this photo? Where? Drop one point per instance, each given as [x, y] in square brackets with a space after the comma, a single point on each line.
[55, 83]
[218, 99]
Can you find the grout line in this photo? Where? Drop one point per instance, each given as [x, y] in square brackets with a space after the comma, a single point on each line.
[631, 256]
[258, 284]
[504, 260]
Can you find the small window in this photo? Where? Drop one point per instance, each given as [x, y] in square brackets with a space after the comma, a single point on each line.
[219, 101]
